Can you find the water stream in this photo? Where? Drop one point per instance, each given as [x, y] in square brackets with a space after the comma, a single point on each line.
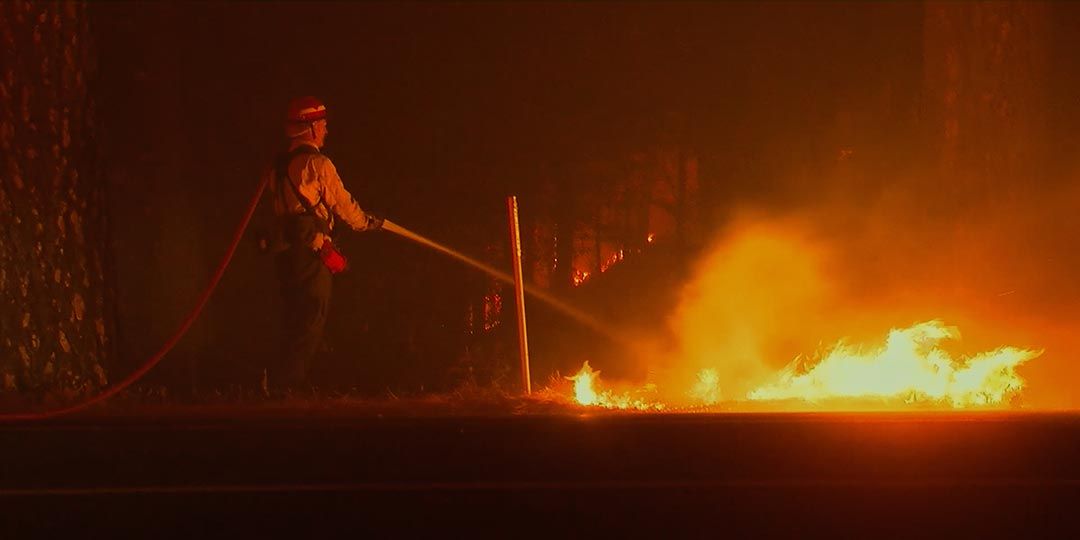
[539, 294]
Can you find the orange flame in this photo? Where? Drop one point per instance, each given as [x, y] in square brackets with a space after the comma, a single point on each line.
[585, 393]
[580, 276]
[707, 387]
[911, 367]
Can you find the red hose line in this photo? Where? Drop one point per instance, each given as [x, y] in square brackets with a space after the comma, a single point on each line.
[168, 345]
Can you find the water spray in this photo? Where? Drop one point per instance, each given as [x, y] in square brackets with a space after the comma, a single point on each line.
[539, 294]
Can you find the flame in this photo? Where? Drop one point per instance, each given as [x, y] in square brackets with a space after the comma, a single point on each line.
[614, 258]
[580, 276]
[586, 394]
[910, 366]
[707, 387]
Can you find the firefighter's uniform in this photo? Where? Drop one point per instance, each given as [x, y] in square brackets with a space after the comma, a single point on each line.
[300, 231]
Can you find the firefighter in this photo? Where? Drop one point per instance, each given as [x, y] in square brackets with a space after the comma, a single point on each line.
[309, 199]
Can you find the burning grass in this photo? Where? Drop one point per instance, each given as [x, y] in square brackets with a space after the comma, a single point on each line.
[911, 366]
[586, 392]
[910, 370]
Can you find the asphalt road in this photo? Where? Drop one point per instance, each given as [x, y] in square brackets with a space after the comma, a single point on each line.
[747, 475]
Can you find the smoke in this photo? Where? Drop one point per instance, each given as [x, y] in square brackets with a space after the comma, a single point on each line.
[754, 295]
[779, 284]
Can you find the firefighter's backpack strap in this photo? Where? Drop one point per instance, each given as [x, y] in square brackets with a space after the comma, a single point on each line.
[283, 177]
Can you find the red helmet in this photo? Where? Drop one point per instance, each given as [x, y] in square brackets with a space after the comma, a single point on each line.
[306, 109]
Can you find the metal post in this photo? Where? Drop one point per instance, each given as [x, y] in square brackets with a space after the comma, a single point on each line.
[519, 290]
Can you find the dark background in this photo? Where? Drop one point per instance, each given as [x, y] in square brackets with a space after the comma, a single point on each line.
[438, 111]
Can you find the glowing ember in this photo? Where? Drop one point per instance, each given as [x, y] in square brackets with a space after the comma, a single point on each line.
[614, 258]
[911, 367]
[585, 393]
[580, 276]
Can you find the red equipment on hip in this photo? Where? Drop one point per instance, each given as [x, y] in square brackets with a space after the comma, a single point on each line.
[332, 258]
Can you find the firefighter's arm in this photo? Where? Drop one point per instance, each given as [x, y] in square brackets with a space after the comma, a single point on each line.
[341, 202]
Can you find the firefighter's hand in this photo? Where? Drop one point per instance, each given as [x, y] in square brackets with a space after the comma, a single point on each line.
[375, 222]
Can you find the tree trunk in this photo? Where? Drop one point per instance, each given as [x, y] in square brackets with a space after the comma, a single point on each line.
[55, 318]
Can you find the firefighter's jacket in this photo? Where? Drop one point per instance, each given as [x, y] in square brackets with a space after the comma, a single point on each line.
[317, 180]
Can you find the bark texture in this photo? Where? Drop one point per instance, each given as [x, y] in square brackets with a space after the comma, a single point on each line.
[54, 331]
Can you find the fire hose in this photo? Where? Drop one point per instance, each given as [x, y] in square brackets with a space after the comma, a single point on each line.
[154, 359]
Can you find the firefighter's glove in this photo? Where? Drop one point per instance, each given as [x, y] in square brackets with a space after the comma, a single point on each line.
[375, 222]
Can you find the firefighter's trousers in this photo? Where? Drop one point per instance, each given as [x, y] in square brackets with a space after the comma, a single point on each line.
[305, 289]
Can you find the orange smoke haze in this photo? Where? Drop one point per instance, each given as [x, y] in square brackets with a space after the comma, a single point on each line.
[756, 297]
[771, 289]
